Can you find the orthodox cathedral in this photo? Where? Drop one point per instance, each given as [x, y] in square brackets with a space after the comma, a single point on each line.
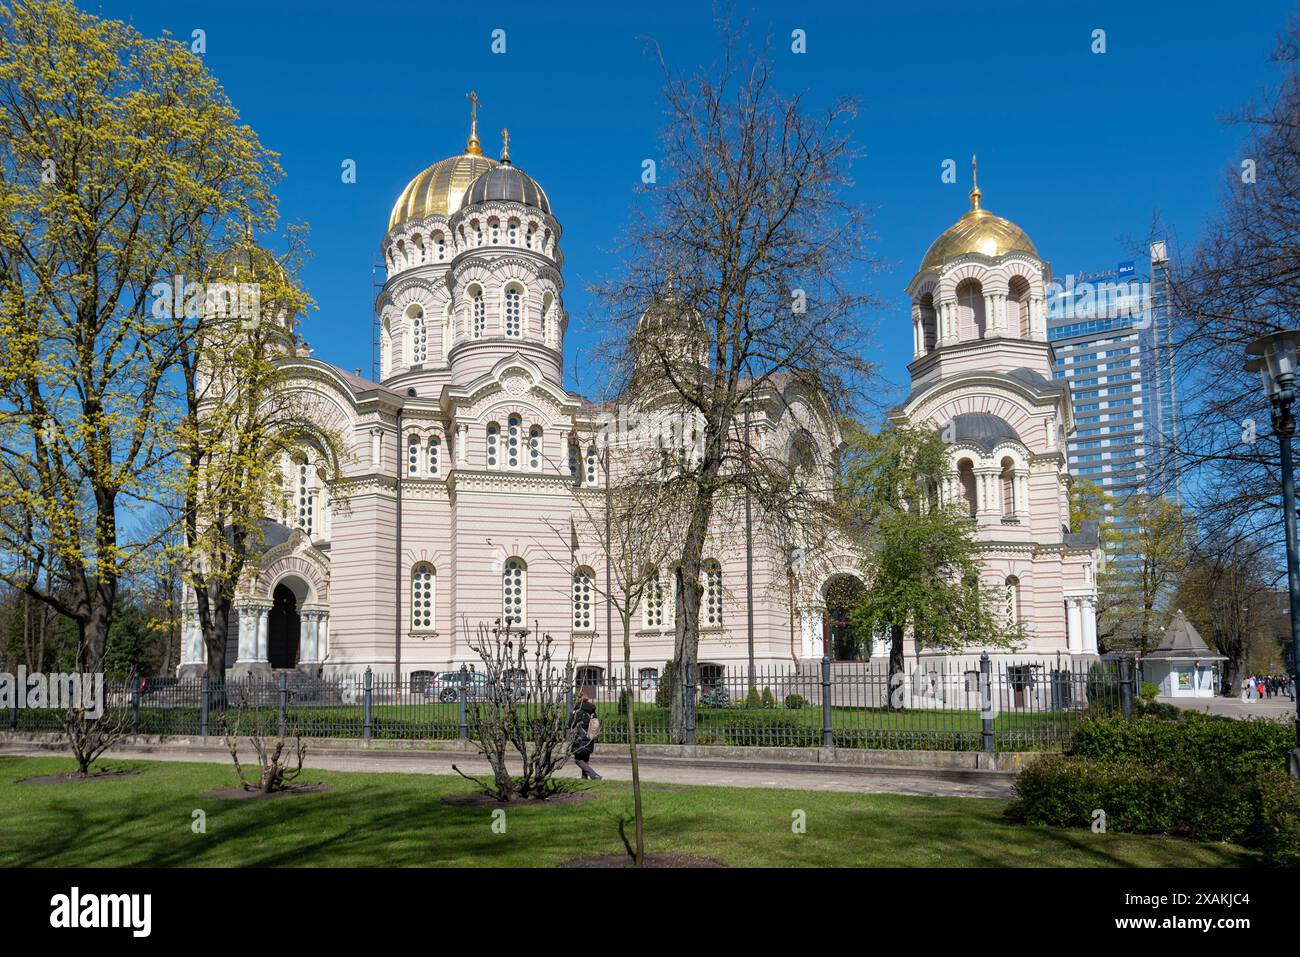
[466, 462]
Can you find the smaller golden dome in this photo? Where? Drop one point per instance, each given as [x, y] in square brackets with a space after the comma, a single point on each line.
[979, 231]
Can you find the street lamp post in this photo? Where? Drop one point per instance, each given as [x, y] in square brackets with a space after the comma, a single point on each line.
[1275, 360]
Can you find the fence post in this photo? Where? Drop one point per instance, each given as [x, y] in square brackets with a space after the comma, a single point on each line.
[463, 698]
[13, 709]
[1126, 686]
[365, 704]
[204, 704]
[284, 703]
[828, 737]
[986, 702]
[135, 705]
[688, 698]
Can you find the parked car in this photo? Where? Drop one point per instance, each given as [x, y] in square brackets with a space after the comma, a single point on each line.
[445, 686]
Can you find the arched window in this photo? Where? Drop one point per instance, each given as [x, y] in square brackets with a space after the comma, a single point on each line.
[1008, 481]
[512, 232]
[966, 477]
[654, 600]
[929, 323]
[1012, 599]
[493, 444]
[513, 427]
[711, 606]
[529, 236]
[494, 232]
[422, 597]
[440, 246]
[970, 310]
[572, 459]
[1018, 307]
[513, 583]
[590, 477]
[582, 599]
[514, 310]
[478, 232]
[535, 448]
[419, 334]
[435, 448]
[413, 454]
[478, 311]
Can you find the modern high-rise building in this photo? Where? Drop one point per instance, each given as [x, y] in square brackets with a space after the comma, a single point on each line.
[1112, 335]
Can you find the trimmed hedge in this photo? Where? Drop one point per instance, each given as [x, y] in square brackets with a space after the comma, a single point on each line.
[1194, 744]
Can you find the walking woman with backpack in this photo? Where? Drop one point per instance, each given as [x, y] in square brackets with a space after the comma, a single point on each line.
[587, 727]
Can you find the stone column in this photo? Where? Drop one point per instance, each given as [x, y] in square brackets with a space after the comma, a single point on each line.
[376, 447]
[1020, 493]
[986, 488]
[1074, 626]
[462, 444]
[1090, 626]
[306, 633]
[263, 634]
[993, 320]
[947, 309]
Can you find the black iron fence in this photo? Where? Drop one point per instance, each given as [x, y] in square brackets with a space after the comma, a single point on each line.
[992, 706]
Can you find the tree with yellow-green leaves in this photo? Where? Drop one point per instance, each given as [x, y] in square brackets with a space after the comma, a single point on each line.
[1152, 546]
[246, 417]
[123, 166]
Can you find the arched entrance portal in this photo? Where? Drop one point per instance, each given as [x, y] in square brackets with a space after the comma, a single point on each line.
[283, 629]
[840, 639]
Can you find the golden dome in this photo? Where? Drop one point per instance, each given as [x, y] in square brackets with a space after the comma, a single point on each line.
[439, 189]
[979, 231]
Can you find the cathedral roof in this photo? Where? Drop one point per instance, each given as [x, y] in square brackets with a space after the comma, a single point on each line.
[508, 184]
[983, 429]
[979, 231]
[438, 190]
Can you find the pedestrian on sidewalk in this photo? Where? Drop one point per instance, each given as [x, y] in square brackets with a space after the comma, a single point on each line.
[586, 727]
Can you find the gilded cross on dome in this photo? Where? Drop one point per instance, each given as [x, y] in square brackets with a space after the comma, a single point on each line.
[505, 147]
[975, 184]
[472, 146]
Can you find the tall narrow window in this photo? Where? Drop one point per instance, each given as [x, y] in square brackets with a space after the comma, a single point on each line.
[494, 231]
[512, 232]
[535, 448]
[712, 594]
[654, 601]
[306, 500]
[590, 476]
[413, 454]
[435, 448]
[1013, 599]
[528, 237]
[573, 460]
[440, 245]
[479, 311]
[513, 427]
[512, 590]
[422, 596]
[514, 319]
[419, 335]
[582, 591]
[493, 440]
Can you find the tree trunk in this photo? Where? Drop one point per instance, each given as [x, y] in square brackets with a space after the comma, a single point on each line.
[895, 664]
[637, 814]
[686, 641]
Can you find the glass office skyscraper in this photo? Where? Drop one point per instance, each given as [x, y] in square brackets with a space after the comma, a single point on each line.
[1112, 335]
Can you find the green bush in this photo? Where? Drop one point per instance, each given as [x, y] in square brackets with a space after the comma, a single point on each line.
[1136, 798]
[664, 689]
[744, 729]
[716, 697]
[793, 701]
[1103, 683]
[768, 700]
[624, 700]
[1279, 824]
[1149, 691]
[753, 700]
[1196, 743]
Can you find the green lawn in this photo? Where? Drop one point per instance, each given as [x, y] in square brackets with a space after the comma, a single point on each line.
[398, 820]
[949, 730]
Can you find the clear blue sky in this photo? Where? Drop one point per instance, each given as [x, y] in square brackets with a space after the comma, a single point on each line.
[1079, 149]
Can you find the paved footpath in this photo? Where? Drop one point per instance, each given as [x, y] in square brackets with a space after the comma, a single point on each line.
[941, 782]
[1274, 707]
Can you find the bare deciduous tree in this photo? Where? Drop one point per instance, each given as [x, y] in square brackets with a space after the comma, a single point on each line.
[734, 286]
[523, 712]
